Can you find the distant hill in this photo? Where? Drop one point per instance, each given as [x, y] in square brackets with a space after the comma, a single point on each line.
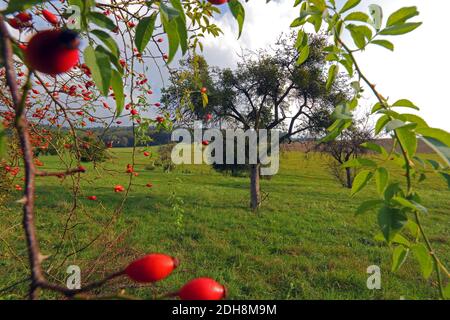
[123, 136]
[304, 146]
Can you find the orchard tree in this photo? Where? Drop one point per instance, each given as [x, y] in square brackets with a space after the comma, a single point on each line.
[46, 82]
[267, 90]
[270, 90]
[191, 93]
[350, 145]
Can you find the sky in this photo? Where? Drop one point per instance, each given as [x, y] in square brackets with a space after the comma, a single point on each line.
[417, 70]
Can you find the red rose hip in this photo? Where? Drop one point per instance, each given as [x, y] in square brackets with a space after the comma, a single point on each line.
[217, 2]
[151, 268]
[24, 17]
[50, 17]
[202, 289]
[53, 51]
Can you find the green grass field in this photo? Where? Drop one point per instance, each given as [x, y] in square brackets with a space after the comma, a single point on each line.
[305, 242]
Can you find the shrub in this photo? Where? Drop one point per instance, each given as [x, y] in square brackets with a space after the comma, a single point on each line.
[92, 150]
[165, 157]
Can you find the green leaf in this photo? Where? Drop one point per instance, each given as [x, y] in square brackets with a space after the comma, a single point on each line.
[381, 123]
[358, 36]
[381, 179]
[181, 25]
[408, 140]
[357, 16]
[415, 119]
[21, 5]
[302, 39]
[205, 100]
[413, 228]
[438, 134]
[179, 7]
[182, 34]
[400, 29]
[320, 4]
[405, 103]
[384, 43]
[349, 5]
[391, 221]
[303, 56]
[441, 149]
[100, 66]
[101, 20]
[424, 258]
[377, 16]
[336, 124]
[108, 41]
[435, 164]
[117, 85]
[374, 147]
[331, 135]
[144, 32]
[410, 204]
[348, 64]
[332, 72]
[114, 59]
[394, 124]
[399, 257]
[360, 181]
[391, 191]
[401, 16]
[335, 129]
[171, 29]
[376, 107]
[399, 239]
[84, 7]
[169, 13]
[342, 111]
[238, 12]
[368, 205]
[296, 23]
[316, 21]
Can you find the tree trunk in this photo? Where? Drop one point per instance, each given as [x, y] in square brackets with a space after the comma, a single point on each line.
[255, 192]
[349, 177]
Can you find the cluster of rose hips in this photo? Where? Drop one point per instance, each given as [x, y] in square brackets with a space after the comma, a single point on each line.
[155, 267]
[8, 118]
[21, 20]
[24, 19]
[56, 51]
[119, 188]
[12, 170]
[130, 169]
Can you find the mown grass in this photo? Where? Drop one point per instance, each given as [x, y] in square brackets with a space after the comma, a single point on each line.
[305, 242]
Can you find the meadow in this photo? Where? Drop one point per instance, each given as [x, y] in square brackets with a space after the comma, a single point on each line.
[304, 243]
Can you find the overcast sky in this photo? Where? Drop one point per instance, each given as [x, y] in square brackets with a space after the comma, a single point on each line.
[416, 70]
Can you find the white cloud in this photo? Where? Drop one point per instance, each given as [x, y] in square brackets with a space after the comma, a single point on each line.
[263, 24]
